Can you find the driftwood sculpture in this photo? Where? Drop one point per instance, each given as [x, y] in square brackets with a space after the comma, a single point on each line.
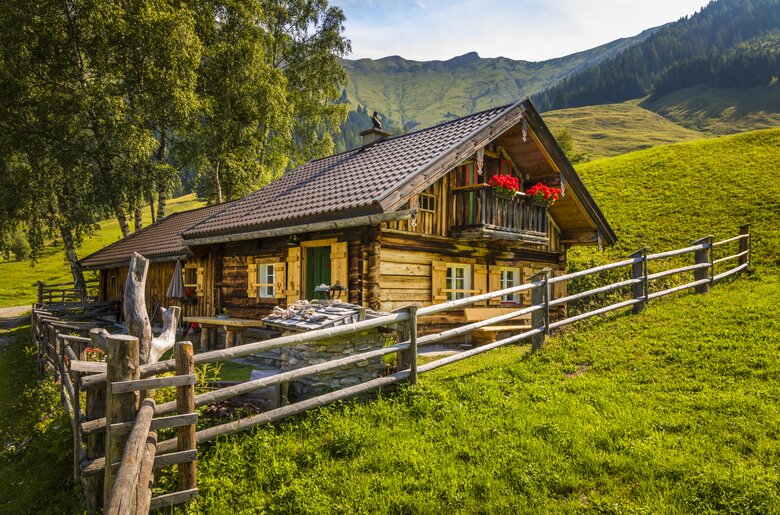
[137, 319]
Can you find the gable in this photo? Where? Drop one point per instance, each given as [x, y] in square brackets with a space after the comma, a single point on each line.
[382, 177]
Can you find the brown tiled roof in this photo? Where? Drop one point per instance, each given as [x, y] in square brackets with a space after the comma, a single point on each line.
[351, 182]
[161, 239]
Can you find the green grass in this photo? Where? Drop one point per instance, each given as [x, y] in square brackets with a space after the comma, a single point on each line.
[19, 284]
[36, 464]
[668, 196]
[670, 413]
[613, 129]
[674, 410]
[720, 111]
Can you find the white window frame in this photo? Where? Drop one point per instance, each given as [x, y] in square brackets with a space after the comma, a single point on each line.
[504, 283]
[266, 276]
[451, 281]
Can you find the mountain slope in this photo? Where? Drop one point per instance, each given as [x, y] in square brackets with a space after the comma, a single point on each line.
[716, 38]
[720, 110]
[612, 129]
[425, 93]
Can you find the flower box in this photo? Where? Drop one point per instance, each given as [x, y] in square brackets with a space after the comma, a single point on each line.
[542, 195]
[505, 186]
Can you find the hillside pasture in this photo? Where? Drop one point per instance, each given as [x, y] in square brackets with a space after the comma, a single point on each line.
[19, 277]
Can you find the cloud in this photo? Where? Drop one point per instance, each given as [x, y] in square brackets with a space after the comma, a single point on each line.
[525, 29]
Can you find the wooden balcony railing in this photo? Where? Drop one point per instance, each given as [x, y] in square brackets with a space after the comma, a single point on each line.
[480, 213]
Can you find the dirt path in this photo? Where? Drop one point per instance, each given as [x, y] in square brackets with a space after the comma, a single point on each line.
[13, 316]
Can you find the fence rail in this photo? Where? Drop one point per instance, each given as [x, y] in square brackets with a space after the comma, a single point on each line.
[111, 424]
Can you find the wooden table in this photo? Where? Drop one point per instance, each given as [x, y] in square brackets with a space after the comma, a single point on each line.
[234, 329]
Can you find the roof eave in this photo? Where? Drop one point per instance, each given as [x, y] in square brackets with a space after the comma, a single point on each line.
[573, 180]
[429, 173]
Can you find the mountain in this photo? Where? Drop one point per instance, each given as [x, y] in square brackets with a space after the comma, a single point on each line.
[715, 71]
[423, 93]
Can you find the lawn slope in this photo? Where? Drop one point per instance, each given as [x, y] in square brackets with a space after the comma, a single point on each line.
[668, 196]
[720, 111]
[19, 277]
[674, 410]
[613, 129]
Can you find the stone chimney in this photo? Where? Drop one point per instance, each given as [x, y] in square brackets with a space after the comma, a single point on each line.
[374, 134]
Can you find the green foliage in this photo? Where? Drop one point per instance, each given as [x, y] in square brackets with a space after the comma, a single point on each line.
[269, 84]
[708, 38]
[36, 464]
[564, 139]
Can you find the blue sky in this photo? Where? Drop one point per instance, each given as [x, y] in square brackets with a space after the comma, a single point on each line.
[522, 29]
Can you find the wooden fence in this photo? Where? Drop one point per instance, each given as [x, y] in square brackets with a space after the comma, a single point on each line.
[115, 424]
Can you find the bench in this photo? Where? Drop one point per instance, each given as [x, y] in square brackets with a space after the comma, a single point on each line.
[489, 334]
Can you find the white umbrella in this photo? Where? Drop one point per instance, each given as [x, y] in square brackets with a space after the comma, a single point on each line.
[176, 287]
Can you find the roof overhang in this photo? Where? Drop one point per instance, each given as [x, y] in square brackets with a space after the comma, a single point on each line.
[126, 261]
[288, 230]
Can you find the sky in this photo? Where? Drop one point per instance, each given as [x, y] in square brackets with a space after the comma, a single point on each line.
[532, 30]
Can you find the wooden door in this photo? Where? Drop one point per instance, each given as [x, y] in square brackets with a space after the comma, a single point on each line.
[317, 269]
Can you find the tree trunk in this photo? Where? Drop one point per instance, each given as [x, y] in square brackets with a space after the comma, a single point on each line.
[137, 318]
[217, 184]
[138, 221]
[70, 254]
[162, 185]
[151, 206]
[119, 211]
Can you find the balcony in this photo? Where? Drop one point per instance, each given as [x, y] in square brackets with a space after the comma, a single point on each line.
[477, 213]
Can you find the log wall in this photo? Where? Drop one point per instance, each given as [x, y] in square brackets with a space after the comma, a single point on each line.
[158, 279]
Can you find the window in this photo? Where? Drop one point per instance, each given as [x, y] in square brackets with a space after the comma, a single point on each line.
[265, 281]
[458, 282]
[428, 202]
[190, 277]
[510, 277]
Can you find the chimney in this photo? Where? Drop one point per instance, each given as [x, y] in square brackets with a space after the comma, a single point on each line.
[374, 134]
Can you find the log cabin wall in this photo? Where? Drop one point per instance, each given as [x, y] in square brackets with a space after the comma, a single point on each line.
[413, 269]
[159, 277]
[351, 250]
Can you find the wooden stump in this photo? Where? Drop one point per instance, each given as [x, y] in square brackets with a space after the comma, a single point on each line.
[123, 365]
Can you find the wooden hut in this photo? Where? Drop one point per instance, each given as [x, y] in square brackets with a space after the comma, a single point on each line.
[161, 243]
[401, 220]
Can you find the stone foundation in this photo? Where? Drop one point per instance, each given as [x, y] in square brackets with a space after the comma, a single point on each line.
[328, 350]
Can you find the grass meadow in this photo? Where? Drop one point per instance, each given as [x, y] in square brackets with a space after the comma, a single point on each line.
[673, 410]
[18, 286]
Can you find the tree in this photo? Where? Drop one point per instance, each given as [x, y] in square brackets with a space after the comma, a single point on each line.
[268, 87]
[84, 82]
[563, 137]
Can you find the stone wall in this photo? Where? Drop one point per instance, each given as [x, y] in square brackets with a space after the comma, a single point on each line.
[329, 350]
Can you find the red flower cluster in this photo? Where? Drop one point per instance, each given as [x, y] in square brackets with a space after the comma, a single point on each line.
[505, 183]
[541, 193]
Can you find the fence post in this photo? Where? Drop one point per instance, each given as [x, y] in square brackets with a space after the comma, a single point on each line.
[639, 271]
[96, 447]
[744, 245]
[40, 293]
[412, 344]
[185, 403]
[704, 256]
[123, 365]
[540, 319]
